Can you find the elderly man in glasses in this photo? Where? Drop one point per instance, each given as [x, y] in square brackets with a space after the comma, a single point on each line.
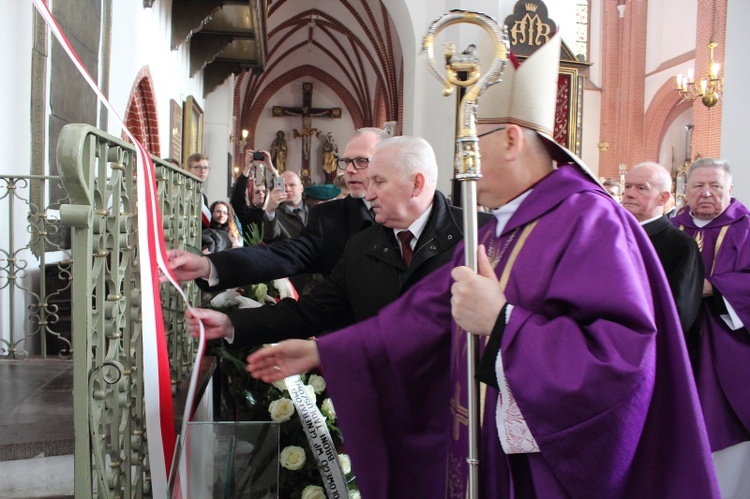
[720, 225]
[316, 249]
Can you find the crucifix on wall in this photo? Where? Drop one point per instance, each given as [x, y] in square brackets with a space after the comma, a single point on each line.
[307, 112]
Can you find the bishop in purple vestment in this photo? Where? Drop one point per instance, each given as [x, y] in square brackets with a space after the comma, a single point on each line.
[721, 227]
[588, 386]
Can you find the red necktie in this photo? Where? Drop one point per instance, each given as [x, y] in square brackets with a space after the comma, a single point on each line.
[405, 237]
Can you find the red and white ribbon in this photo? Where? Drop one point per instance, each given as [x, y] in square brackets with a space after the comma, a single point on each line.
[152, 256]
[205, 216]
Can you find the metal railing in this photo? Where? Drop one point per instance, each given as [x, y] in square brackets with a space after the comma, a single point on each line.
[98, 171]
[34, 269]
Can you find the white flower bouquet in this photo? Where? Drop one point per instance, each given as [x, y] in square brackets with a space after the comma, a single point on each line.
[255, 400]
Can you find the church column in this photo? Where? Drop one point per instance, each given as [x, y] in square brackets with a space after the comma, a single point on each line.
[623, 76]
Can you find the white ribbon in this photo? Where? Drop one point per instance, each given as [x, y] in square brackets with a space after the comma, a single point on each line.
[319, 438]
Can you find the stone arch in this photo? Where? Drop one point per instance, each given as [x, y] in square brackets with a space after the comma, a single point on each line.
[664, 108]
[140, 114]
[381, 113]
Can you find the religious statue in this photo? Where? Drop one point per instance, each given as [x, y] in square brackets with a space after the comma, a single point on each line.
[330, 153]
[278, 152]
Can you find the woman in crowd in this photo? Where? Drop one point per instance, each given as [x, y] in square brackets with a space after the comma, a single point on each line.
[223, 220]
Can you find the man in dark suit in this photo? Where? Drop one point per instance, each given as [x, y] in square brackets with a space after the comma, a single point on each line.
[647, 188]
[416, 233]
[316, 249]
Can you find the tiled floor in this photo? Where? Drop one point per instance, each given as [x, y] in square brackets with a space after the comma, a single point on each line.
[36, 408]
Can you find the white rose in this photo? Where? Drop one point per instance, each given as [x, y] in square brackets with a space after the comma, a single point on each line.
[284, 287]
[345, 463]
[327, 409]
[280, 384]
[281, 409]
[292, 457]
[317, 382]
[313, 492]
[354, 494]
[311, 391]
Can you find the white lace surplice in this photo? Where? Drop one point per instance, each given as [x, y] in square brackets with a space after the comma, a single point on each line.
[515, 435]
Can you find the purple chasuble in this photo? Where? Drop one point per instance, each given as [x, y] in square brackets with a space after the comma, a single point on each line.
[723, 367]
[610, 402]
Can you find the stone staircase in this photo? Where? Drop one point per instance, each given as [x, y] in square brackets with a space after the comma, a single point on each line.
[36, 428]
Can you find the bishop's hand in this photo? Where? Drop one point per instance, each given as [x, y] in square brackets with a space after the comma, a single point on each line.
[477, 298]
[280, 360]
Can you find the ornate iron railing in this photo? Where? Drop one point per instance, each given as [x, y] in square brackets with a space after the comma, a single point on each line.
[98, 171]
[34, 269]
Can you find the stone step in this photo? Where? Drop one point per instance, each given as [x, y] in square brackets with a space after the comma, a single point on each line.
[36, 428]
[39, 477]
[36, 408]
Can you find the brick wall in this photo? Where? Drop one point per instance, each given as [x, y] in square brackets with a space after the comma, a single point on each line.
[635, 136]
[712, 21]
[140, 116]
[623, 76]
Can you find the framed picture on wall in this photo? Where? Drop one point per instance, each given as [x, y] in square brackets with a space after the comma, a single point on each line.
[567, 109]
[175, 129]
[680, 180]
[192, 128]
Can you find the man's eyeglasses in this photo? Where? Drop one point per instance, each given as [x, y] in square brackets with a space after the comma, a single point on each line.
[199, 168]
[491, 131]
[359, 163]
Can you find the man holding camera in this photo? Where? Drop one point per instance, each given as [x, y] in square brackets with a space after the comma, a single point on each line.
[249, 197]
[285, 214]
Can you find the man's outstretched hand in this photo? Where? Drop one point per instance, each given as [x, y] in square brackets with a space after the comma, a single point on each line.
[280, 360]
[216, 324]
[187, 266]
